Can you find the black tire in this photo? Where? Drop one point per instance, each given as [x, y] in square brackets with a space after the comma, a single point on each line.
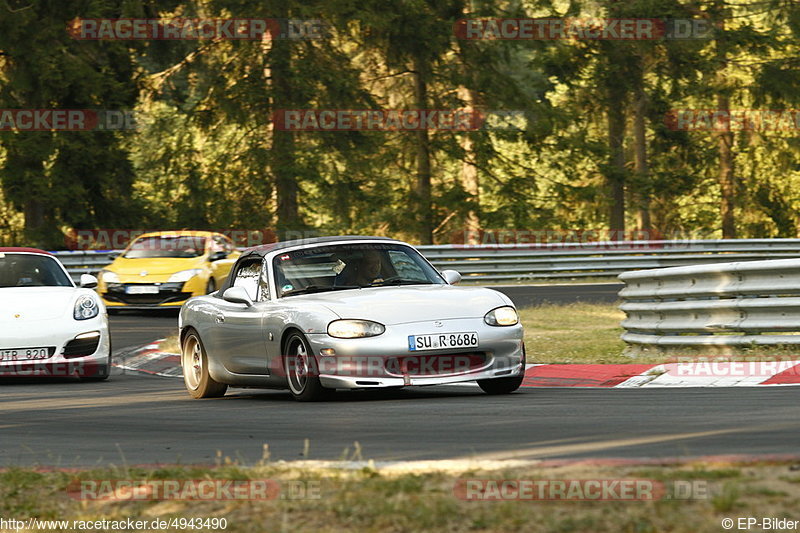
[501, 385]
[301, 370]
[194, 361]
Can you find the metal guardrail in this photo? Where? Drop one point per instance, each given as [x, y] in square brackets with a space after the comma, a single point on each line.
[527, 262]
[735, 304]
[598, 259]
[84, 262]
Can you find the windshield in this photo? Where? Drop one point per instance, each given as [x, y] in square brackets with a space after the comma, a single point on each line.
[350, 266]
[27, 270]
[167, 246]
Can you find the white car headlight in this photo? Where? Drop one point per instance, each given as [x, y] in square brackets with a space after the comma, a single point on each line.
[502, 316]
[109, 277]
[184, 275]
[353, 329]
[85, 308]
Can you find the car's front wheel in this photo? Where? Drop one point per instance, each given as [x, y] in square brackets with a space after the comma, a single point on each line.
[301, 370]
[194, 360]
[501, 385]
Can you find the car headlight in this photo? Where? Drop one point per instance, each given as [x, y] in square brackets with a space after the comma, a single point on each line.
[184, 275]
[353, 329]
[502, 316]
[109, 277]
[85, 308]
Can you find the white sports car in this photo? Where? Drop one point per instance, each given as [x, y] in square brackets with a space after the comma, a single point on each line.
[48, 326]
[347, 313]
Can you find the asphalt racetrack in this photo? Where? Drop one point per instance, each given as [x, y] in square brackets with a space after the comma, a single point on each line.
[140, 419]
[136, 419]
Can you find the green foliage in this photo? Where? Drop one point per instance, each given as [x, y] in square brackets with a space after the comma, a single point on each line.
[205, 154]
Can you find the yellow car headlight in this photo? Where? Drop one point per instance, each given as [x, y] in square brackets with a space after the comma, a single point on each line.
[109, 277]
[184, 275]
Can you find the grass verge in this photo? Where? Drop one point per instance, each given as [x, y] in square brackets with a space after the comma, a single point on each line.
[695, 498]
[574, 333]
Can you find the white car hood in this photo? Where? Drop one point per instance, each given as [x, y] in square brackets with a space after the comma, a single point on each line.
[35, 303]
[403, 304]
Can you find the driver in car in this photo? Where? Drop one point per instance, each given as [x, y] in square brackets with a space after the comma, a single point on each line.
[365, 271]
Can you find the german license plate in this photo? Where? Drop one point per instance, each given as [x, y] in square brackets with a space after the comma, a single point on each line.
[141, 289]
[23, 354]
[439, 341]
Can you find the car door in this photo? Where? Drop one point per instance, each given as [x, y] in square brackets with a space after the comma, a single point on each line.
[238, 340]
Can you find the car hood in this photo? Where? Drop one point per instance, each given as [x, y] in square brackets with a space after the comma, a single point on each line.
[153, 265]
[35, 303]
[399, 305]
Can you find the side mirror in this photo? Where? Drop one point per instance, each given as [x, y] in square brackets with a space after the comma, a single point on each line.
[451, 276]
[216, 256]
[237, 295]
[88, 281]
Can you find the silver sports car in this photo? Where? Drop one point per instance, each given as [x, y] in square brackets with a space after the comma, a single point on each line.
[351, 312]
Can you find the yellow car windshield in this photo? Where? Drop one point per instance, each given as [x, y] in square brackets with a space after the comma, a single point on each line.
[167, 246]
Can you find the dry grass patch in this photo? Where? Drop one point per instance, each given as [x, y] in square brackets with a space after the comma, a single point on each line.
[369, 499]
[575, 333]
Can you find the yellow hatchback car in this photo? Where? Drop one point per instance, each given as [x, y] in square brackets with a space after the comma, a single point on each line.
[164, 269]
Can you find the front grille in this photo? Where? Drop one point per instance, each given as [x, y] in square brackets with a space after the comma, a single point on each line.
[148, 299]
[167, 293]
[435, 364]
[81, 347]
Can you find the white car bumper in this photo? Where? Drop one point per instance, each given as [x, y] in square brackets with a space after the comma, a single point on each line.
[73, 347]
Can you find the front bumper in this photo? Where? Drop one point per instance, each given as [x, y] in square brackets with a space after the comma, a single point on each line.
[386, 361]
[68, 354]
[369, 382]
[170, 294]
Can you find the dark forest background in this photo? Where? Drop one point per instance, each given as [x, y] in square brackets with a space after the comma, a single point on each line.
[593, 151]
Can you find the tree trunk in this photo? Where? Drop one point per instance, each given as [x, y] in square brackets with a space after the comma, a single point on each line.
[283, 142]
[470, 179]
[616, 168]
[422, 188]
[642, 197]
[469, 174]
[727, 176]
[35, 229]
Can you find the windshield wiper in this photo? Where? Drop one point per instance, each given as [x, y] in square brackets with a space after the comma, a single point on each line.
[399, 281]
[310, 289]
